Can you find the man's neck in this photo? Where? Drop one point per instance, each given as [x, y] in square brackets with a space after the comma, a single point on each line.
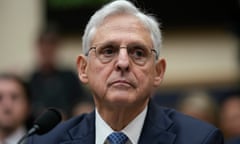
[118, 118]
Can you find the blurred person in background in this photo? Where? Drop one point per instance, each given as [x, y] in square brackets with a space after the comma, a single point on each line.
[14, 108]
[200, 105]
[230, 118]
[50, 85]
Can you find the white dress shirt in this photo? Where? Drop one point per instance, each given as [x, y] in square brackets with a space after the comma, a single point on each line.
[15, 137]
[132, 130]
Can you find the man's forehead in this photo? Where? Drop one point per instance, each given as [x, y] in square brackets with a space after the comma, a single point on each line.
[122, 22]
[9, 84]
[122, 25]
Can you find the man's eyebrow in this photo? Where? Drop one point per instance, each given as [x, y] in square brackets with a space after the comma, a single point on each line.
[139, 44]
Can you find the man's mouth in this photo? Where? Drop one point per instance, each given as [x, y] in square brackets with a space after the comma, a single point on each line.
[122, 83]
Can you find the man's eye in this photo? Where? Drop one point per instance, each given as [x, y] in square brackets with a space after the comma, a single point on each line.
[107, 51]
[138, 53]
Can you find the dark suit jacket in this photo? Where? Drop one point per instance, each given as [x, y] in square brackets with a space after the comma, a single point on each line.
[162, 126]
[233, 141]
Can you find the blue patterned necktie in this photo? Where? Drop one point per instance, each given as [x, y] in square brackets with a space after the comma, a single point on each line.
[117, 138]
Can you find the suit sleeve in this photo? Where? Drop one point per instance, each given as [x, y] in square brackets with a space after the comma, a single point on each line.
[214, 137]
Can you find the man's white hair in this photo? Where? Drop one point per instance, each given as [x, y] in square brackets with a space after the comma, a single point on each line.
[121, 7]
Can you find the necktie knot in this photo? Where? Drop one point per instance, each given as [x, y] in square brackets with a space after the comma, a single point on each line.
[117, 138]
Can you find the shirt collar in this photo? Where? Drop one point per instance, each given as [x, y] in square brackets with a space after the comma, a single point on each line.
[16, 136]
[132, 130]
[102, 129]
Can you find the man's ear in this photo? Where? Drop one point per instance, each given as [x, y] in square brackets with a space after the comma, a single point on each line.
[82, 68]
[160, 68]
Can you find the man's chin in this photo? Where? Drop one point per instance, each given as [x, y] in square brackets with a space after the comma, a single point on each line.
[121, 100]
[7, 124]
[7, 128]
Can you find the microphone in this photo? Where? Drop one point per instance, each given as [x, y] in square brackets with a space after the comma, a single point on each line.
[44, 123]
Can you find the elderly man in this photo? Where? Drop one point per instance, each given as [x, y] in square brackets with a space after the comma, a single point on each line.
[122, 67]
[14, 108]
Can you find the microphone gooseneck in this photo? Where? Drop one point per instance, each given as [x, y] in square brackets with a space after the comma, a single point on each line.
[44, 123]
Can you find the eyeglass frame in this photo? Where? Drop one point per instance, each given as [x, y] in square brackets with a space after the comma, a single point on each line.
[118, 50]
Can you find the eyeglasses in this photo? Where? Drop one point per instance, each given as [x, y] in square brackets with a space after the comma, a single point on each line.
[138, 53]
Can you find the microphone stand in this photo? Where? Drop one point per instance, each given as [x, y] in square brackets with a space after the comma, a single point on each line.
[29, 133]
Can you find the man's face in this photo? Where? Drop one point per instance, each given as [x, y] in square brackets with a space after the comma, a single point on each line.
[230, 117]
[46, 54]
[13, 105]
[121, 82]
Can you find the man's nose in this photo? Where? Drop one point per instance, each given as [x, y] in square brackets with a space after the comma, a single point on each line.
[122, 60]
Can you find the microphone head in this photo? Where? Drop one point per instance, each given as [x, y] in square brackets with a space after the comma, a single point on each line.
[48, 120]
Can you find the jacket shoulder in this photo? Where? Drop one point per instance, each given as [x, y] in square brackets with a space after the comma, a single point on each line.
[192, 130]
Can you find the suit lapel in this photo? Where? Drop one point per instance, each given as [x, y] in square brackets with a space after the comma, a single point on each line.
[156, 126]
[83, 133]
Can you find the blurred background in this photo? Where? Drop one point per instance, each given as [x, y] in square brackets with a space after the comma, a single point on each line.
[201, 43]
